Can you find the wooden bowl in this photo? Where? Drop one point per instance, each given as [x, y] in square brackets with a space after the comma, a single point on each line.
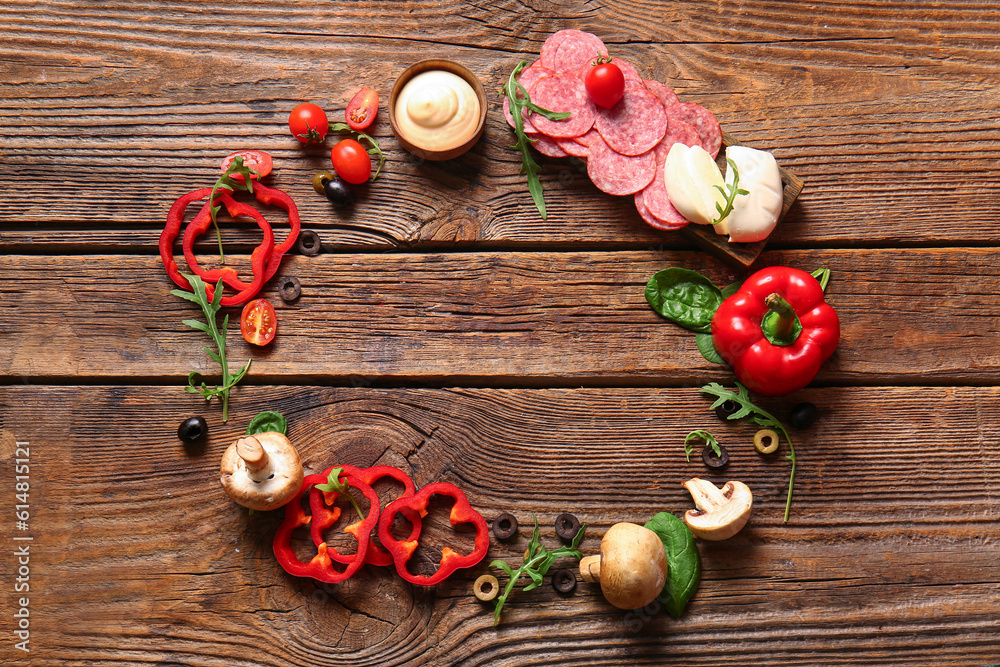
[447, 66]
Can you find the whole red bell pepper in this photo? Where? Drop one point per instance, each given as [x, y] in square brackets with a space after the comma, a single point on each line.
[451, 560]
[776, 330]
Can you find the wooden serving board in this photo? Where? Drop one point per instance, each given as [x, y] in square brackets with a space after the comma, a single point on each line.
[740, 255]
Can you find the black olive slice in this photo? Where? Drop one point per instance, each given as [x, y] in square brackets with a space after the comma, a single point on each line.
[504, 526]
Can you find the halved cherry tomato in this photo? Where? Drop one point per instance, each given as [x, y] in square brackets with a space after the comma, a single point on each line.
[605, 83]
[308, 123]
[259, 322]
[362, 108]
[258, 161]
[351, 161]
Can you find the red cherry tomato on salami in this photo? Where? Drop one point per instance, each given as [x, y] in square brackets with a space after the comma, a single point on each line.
[259, 162]
[308, 123]
[362, 108]
[259, 323]
[605, 83]
[351, 161]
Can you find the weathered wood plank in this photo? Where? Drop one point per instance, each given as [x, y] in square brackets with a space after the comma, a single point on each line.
[889, 123]
[891, 535]
[908, 316]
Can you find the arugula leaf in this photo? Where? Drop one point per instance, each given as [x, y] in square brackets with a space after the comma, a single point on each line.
[684, 297]
[683, 562]
[230, 184]
[269, 420]
[519, 100]
[359, 135]
[758, 416]
[211, 309]
[710, 441]
[333, 483]
[537, 561]
[730, 196]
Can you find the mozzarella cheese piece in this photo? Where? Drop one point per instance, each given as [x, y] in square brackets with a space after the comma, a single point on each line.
[691, 176]
[754, 215]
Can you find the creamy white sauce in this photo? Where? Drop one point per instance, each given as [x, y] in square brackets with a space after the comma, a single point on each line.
[437, 110]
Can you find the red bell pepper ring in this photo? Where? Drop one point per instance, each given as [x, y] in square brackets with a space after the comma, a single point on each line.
[776, 330]
[320, 567]
[274, 197]
[461, 512]
[175, 220]
[272, 260]
[258, 258]
[376, 554]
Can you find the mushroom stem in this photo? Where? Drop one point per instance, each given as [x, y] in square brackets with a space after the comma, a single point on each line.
[590, 568]
[707, 496]
[254, 457]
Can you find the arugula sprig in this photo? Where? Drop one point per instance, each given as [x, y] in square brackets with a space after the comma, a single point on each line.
[359, 135]
[519, 99]
[333, 483]
[537, 561]
[730, 196]
[230, 184]
[210, 326]
[757, 415]
[710, 441]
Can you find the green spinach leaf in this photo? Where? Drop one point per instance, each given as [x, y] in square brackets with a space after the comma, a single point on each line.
[269, 420]
[707, 348]
[683, 562]
[684, 297]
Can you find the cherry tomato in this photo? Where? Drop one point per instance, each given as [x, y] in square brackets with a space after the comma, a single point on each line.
[605, 83]
[259, 323]
[308, 123]
[351, 161]
[258, 161]
[362, 108]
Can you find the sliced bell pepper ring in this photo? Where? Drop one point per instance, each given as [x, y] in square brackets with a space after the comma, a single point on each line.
[274, 197]
[320, 567]
[258, 258]
[461, 512]
[272, 261]
[175, 220]
[376, 554]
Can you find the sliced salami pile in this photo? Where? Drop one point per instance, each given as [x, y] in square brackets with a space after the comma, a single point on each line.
[624, 146]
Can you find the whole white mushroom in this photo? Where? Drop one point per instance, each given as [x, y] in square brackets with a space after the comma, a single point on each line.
[261, 471]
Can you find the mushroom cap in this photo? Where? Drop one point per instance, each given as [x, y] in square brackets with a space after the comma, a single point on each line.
[633, 566]
[721, 512]
[280, 472]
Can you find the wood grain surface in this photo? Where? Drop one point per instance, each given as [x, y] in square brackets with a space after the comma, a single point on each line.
[448, 330]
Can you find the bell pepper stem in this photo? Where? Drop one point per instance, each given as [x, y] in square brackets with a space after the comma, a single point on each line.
[781, 327]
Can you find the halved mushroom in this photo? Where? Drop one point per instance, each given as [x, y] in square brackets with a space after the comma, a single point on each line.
[632, 566]
[261, 471]
[721, 512]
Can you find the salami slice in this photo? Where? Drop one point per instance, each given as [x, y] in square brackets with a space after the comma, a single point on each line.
[546, 145]
[588, 138]
[703, 121]
[656, 203]
[635, 125]
[529, 75]
[618, 174]
[667, 96]
[573, 147]
[548, 50]
[562, 92]
[678, 132]
[575, 50]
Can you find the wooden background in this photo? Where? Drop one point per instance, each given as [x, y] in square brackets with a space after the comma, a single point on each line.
[447, 330]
